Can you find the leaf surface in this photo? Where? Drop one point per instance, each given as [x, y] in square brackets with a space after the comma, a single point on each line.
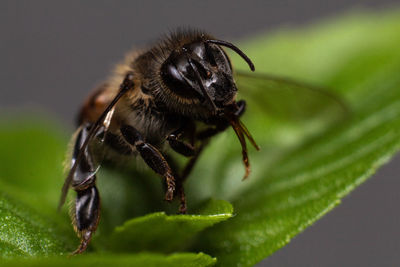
[167, 233]
[104, 260]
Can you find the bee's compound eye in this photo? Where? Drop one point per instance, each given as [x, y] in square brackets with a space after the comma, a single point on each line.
[175, 82]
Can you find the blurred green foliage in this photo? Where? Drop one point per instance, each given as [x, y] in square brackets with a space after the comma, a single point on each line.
[308, 162]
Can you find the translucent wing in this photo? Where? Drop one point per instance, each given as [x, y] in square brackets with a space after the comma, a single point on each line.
[288, 100]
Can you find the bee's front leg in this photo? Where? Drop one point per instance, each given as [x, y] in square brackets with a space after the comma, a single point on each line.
[180, 146]
[186, 150]
[153, 158]
[86, 211]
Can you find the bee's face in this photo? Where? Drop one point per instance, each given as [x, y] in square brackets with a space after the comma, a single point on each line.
[200, 71]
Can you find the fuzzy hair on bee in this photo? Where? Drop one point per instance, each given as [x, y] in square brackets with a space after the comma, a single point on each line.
[175, 95]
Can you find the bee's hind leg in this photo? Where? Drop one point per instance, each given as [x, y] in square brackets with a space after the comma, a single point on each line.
[86, 210]
[87, 215]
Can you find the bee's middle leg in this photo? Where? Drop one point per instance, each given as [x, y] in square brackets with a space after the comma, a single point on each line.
[187, 150]
[153, 158]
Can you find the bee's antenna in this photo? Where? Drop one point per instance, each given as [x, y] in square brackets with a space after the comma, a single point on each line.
[234, 48]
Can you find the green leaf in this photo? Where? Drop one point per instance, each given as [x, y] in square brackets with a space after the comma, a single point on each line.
[160, 232]
[294, 185]
[32, 152]
[30, 165]
[142, 259]
[23, 232]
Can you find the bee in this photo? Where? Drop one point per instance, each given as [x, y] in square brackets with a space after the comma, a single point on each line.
[175, 95]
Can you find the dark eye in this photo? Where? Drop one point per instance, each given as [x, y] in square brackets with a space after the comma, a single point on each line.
[210, 56]
[217, 58]
[174, 80]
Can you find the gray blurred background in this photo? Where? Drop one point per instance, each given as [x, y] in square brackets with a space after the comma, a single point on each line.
[52, 53]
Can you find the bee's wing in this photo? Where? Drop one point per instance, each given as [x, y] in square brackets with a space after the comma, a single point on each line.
[289, 100]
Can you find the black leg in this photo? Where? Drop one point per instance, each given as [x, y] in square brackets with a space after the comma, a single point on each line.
[241, 104]
[86, 212]
[180, 146]
[153, 158]
[182, 198]
[179, 184]
[86, 215]
[187, 131]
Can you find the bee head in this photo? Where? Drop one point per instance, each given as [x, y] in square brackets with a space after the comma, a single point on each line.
[201, 72]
